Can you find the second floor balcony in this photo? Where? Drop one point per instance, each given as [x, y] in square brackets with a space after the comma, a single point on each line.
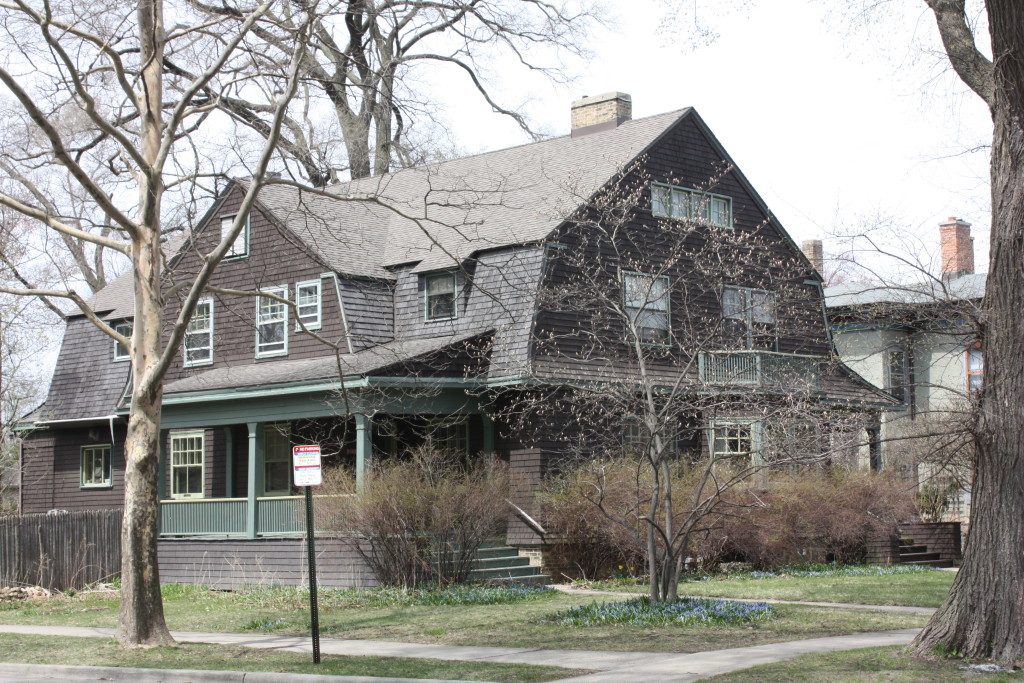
[763, 370]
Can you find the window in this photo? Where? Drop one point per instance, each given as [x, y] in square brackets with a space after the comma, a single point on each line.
[440, 296]
[277, 460]
[307, 304]
[749, 317]
[240, 247]
[732, 440]
[647, 304]
[122, 352]
[272, 324]
[96, 466]
[188, 455]
[975, 365]
[198, 344]
[896, 373]
[678, 202]
[450, 435]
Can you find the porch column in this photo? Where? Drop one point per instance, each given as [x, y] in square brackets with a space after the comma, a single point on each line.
[229, 463]
[161, 472]
[488, 425]
[364, 448]
[255, 483]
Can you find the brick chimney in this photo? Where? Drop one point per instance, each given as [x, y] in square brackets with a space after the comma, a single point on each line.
[957, 248]
[600, 113]
[815, 254]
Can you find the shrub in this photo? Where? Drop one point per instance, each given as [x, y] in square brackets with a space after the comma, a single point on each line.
[820, 516]
[419, 518]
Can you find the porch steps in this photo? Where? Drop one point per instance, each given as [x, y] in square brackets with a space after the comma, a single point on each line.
[917, 553]
[497, 562]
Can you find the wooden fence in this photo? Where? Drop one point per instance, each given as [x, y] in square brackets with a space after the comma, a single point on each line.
[60, 551]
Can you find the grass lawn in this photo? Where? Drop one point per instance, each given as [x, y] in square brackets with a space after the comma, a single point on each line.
[867, 666]
[98, 652]
[284, 610]
[918, 589]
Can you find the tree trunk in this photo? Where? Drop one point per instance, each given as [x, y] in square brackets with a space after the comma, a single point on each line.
[983, 615]
[141, 622]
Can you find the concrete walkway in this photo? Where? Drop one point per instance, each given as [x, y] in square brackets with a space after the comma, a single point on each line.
[619, 667]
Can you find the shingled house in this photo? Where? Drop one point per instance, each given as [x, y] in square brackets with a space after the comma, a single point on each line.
[418, 299]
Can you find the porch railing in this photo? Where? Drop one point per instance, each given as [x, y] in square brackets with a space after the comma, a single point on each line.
[203, 517]
[275, 516]
[760, 369]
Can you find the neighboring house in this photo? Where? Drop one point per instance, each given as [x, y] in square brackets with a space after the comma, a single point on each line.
[428, 283]
[918, 342]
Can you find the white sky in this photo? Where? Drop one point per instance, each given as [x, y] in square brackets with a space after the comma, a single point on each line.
[835, 126]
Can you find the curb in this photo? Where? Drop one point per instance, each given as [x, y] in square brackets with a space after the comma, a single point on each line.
[132, 675]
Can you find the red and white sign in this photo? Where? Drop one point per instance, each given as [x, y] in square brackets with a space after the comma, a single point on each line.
[306, 464]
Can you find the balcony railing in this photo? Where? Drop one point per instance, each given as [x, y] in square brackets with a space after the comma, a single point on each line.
[765, 370]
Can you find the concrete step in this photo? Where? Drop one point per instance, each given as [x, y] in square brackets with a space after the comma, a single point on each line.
[932, 563]
[918, 558]
[491, 573]
[497, 551]
[504, 561]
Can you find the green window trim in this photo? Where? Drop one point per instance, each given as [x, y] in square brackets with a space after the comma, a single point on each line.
[121, 352]
[672, 201]
[240, 247]
[188, 464]
[440, 297]
[272, 324]
[277, 460]
[96, 467]
[309, 305]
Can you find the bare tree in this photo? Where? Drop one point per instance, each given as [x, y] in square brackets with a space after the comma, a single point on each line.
[691, 348]
[110, 74]
[359, 71]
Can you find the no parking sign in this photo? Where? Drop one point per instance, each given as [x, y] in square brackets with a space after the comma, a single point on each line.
[306, 465]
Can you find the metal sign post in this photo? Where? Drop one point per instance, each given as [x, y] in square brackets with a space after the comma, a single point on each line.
[306, 466]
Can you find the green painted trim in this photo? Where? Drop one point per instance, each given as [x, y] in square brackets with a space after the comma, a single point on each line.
[364, 448]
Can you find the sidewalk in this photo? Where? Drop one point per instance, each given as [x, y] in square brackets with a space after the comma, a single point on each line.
[611, 667]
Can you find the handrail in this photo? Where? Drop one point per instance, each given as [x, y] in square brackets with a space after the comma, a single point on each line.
[526, 518]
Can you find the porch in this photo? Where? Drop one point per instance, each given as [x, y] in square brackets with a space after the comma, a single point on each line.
[225, 480]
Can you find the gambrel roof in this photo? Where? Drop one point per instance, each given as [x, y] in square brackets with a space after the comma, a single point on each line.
[440, 214]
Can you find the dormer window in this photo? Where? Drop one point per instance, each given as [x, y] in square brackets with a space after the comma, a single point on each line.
[122, 352]
[439, 291]
[896, 373]
[240, 247]
[670, 201]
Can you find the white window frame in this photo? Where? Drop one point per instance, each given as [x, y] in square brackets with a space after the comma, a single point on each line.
[175, 437]
[121, 352]
[271, 431]
[720, 425]
[427, 279]
[672, 201]
[312, 321]
[749, 310]
[649, 305]
[191, 330]
[240, 247]
[282, 292]
[86, 482]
